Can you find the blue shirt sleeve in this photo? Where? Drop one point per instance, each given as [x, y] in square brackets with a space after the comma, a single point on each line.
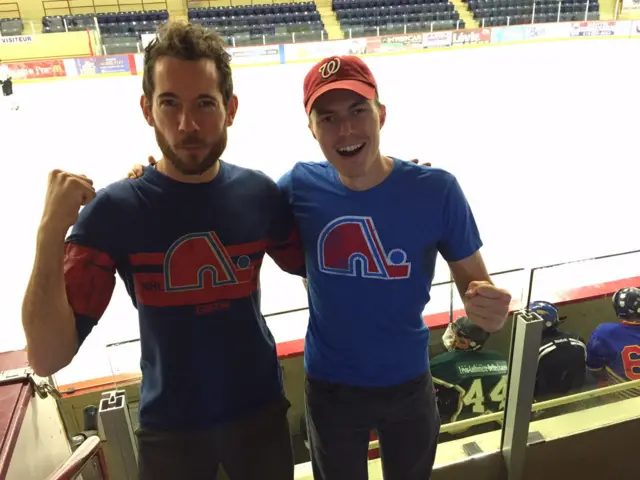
[460, 236]
[597, 351]
[285, 245]
[285, 184]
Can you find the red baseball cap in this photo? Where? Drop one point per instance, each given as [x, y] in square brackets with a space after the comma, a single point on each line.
[338, 72]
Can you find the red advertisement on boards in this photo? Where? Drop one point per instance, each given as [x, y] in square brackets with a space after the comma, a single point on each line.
[471, 37]
[37, 69]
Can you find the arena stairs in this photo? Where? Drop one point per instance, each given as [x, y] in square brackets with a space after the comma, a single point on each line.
[329, 19]
[465, 14]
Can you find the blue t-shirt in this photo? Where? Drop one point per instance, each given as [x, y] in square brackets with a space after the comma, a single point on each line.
[190, 257]
[370, 260]
[615, 347]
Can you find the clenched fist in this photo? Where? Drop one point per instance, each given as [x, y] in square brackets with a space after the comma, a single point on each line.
[487, 305]
[66, 193]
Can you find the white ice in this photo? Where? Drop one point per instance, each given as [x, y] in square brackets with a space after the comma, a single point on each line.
[541, 137]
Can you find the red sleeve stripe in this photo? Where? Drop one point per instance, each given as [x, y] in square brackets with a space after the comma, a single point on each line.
[89, 279]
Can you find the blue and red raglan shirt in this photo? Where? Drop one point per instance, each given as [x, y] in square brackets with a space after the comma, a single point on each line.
[370, 261]
[190, 257]
[614, 349]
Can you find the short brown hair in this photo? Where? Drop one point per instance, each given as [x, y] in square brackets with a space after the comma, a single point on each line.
[187, 41]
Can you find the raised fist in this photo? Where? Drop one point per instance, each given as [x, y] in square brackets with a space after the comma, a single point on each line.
[487, 305]
[66, 193]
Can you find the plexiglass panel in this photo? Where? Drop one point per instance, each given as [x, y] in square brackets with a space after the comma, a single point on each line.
[589, 353]
[471, 378]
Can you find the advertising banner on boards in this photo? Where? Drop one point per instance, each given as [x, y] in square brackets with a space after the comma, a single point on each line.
[139, 61]
[37, 69]
[253, 55]
[103, 65]
[395, 43]
[471, 37]
[593, 29]
[631, 6]
[437, 39]
[316, 50]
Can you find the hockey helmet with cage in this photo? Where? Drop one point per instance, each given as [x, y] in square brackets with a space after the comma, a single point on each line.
[468, 335]
[626, 303]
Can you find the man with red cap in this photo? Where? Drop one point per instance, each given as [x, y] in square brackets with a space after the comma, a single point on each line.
[372, 226]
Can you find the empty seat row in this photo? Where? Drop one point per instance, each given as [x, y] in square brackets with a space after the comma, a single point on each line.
[265, 29]
[130, 28]
[315, 25]
[509, 3]
[474, 5]
[407, 16]
[260, 20]
[541, 18]
[56, 23]
[527, 10]
[161, 15]
[270, 30]
[276, 8]
[346, 4]
[354, 22]
[405, 10]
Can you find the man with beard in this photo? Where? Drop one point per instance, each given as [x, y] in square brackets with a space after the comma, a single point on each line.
[187, 239]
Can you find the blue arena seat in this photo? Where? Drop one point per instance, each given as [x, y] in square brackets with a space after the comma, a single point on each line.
[494, 13]
[247, 24]
[110, 24]
[11, 26]
[391, 16]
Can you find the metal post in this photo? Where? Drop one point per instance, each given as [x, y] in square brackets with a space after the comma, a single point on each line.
[586, 11]
[118, 431]
[533, 15]
[523, 364]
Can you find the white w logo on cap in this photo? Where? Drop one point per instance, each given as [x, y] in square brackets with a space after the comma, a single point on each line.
[330, 68]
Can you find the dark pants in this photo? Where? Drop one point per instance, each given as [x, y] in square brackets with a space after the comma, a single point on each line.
[340, 418]
[7, 88]
[256, 447]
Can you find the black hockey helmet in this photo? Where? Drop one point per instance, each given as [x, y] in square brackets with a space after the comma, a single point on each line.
[469, 336]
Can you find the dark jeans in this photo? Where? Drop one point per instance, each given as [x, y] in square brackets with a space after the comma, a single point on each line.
[256, 447]
[340, 417]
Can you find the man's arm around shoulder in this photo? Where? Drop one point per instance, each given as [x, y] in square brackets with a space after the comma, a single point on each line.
[285, 244]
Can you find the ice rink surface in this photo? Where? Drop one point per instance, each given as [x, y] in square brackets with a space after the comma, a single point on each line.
[542, 137]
